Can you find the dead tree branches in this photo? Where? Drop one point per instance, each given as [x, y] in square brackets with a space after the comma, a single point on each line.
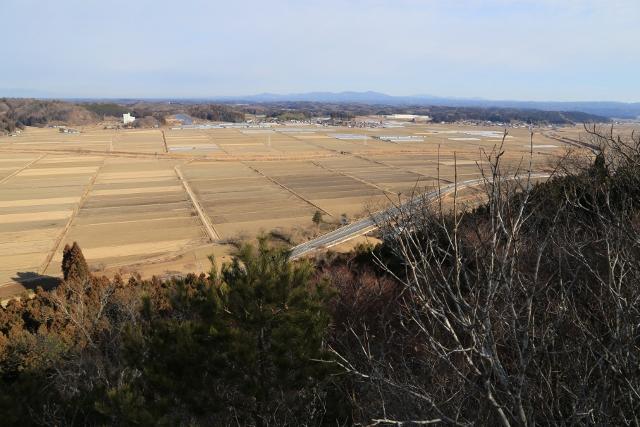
[524, 310]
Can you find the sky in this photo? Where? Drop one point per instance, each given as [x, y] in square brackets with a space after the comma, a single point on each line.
[558, 50]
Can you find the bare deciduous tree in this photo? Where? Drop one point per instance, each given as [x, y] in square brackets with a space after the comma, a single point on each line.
[523, 311]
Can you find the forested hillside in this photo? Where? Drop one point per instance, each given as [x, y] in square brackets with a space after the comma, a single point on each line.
[18, 113]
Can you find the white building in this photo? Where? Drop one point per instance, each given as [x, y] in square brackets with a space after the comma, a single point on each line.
[409, 117]
[128, 118]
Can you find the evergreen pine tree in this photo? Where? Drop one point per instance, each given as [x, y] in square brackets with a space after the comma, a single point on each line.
[239, 347]
[317, 217]
[74, 265]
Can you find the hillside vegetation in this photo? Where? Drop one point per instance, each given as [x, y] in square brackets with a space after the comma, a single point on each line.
[523, 310]
[18, 113]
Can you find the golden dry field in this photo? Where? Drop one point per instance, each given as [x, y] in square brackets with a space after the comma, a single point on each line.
[160, 200]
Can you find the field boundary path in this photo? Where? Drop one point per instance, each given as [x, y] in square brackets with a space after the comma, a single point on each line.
[402, 169]
[16, 172]
[366, 225]
[206, 222]
[74, 214]
[164, 140]
[370, 184]
[226, 157]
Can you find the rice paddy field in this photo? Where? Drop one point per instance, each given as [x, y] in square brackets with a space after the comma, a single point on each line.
[159, 199]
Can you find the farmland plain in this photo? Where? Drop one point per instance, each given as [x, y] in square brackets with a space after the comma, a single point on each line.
[160, 200]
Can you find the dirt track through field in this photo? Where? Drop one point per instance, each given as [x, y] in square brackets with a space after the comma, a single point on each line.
[388, 165]
[227, 157]
[164, 140]
[67, 226]
[287, 188]
[28, 165]
[371, 184]
[206, 222]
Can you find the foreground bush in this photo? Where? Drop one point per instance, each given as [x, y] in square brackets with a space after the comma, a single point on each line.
[236, 347]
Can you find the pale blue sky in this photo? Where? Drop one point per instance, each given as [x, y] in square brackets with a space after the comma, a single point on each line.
[496, 49]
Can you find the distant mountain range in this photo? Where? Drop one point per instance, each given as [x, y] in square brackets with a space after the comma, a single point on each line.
[619, 110]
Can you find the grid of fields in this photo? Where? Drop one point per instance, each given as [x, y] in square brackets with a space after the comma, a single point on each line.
[331, 192]
[387, 179]
[36, 204]
[138, 141]
[52, 139]
[135, 209]
[141, 196]
[238, 200]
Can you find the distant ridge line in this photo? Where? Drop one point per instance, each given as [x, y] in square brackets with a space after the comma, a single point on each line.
[613, 109]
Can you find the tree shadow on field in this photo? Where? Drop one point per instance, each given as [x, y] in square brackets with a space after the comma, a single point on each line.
[31, 280]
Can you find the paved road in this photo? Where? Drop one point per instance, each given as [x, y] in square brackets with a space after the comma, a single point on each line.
[366, 225]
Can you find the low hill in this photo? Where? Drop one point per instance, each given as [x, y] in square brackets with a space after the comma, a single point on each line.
[446, 114]
[17, 113]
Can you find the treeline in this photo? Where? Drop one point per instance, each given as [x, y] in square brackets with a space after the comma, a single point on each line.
[107, 109]
[307, 110]
[145, 117]
[215, 113]
[524, 310]
[160, 111]
[348, 111]
[507, 115]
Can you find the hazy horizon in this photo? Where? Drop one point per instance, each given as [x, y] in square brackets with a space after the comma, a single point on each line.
[26, 94]
[521, 50]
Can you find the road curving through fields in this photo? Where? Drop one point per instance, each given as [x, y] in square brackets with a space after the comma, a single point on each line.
[366, 225]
